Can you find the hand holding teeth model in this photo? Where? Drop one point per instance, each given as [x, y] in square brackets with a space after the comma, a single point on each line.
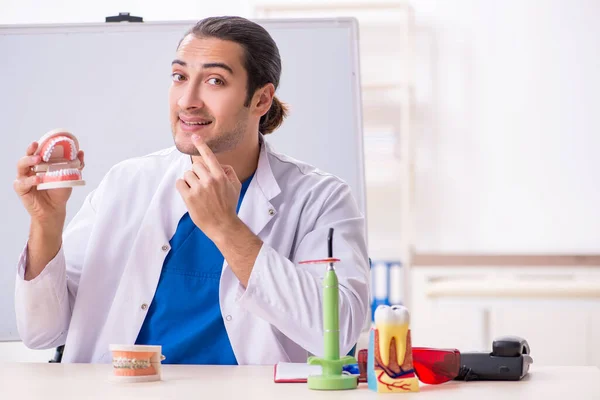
[60, 167]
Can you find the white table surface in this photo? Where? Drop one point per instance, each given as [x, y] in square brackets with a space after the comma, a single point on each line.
[92, 381]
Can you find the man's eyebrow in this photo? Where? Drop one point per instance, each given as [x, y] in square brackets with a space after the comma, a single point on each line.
[218, 65]
[207, 65]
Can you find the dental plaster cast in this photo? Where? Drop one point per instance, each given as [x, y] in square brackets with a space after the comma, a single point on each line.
[60, 167]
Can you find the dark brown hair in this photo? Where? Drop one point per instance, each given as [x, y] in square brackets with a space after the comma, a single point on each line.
[261, 59]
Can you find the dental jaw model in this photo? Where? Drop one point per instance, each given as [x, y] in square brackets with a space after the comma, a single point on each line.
[390, 364]
[60, 166]
[136, 363]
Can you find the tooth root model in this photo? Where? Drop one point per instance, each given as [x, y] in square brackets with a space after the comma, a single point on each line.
[60, 166]
[390, 365]
[331, 363]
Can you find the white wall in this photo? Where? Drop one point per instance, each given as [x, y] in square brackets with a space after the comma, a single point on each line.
[506, 160]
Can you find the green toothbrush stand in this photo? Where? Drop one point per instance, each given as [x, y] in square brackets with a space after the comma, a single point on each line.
[331, 380]
[332, 377]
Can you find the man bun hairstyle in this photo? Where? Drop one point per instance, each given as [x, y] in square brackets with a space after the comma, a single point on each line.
[274, 117]
[261, 59]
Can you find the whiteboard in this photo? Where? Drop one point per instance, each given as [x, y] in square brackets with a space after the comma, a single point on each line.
[108, 83]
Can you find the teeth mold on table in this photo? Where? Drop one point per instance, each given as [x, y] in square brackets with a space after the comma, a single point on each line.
[136, 363]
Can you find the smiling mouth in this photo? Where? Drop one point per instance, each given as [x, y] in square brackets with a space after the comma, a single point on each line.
[196, 123]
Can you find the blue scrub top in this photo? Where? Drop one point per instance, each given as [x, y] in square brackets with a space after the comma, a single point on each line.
[184, 316]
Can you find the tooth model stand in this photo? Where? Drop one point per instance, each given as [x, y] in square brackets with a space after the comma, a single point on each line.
[390, 364]
[60, 167]
[331, 363]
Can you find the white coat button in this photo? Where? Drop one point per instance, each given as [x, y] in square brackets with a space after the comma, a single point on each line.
[165, 247]
[271, 211]
[228, 318]
[144, 306]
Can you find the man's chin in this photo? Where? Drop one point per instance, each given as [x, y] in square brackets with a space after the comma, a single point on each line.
[183, 142]
[187, 150]
[185, 145]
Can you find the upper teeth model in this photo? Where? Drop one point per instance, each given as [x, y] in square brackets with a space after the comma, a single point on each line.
[392, 323]
[60, 166]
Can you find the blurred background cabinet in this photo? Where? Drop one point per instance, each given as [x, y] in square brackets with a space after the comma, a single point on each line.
[555, 308]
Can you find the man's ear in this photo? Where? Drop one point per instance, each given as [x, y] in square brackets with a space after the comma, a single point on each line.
[263, 99]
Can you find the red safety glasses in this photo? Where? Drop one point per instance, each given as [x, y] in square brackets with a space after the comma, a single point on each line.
[435, 366]
[432, 366]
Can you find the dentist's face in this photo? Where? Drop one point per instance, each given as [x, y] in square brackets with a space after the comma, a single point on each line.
[207, 94]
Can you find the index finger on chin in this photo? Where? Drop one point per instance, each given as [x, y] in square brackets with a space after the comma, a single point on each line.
[208, 156]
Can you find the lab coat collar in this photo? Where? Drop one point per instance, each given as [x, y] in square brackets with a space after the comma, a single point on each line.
[264, 174]
[256, 209]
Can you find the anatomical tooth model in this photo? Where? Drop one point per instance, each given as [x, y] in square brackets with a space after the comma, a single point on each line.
[60, 167]
[390, 364]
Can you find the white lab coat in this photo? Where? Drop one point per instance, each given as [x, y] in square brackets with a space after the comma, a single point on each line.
[98, 288]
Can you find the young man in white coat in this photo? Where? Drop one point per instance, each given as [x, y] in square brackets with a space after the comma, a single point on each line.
[197, 247]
